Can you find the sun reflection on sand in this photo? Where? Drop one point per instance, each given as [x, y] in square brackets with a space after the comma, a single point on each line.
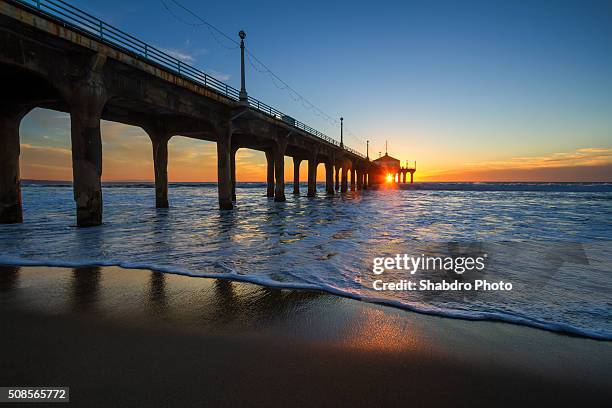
[377, 330]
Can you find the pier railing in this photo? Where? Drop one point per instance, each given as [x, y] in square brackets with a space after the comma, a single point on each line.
[80, 20]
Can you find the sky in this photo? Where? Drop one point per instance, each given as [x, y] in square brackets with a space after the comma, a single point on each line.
[470, 90]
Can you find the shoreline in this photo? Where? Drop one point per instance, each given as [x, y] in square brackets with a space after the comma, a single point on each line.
[145, 337]
[490, 317]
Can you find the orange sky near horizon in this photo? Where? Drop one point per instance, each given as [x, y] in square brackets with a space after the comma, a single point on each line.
[127, 156]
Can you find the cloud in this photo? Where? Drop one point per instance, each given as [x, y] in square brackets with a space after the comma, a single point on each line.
[45, 163]
[189, 57]
[30, 149]
[581, 157]
[586, 164]
[219, 75]
[46, 127]
[184, 54]
[249, 156]
[179, 55]
[191, 160]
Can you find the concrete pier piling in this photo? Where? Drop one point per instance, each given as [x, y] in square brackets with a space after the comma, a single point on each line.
[279, 170]
[10, 181]
[224, 173]
[159, 139]
[270, 173]
[329, 178]
[233, 171]
[86, 167]
[337, 170]
[344, 181]
[312, 176]
[87, 101]
[296, 175]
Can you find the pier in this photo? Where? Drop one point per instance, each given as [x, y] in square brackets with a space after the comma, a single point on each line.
[56, 56]
[388, 170]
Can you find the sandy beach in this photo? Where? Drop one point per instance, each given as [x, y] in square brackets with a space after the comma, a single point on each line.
[123, 337]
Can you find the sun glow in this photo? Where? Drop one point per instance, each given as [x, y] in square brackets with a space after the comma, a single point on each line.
[389, 178]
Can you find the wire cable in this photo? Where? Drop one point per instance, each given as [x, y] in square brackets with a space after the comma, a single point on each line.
[202, 22]
[254, 61]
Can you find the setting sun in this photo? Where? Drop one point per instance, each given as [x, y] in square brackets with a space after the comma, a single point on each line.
[389, 178]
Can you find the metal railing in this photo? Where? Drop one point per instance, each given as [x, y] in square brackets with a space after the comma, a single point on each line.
[408, 166]
[85, 22]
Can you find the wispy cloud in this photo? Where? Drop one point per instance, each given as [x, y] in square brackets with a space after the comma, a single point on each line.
[180, 55]
[45, 162]
[190, 57]
[46, 150]
[219, 75]
[586, 164]
[186, 53]
[581, 157]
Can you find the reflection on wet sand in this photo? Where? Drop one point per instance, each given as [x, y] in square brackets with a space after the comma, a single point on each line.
[157, 292]
[85, 287]
[226, 305]
[226, 308]
[256, 306]
[213, 305]
[377, 332]
[9, 278]
[150, 297]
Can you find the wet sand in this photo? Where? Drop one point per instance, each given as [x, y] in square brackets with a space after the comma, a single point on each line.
[123, 337]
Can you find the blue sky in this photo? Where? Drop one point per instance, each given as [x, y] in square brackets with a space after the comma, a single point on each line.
[449, 84]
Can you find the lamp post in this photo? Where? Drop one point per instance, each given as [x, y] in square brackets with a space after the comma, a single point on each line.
[368, 149]
[243, 97]
[341, 133]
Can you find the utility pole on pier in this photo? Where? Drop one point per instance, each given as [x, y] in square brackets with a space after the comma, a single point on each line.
[341, 133]
[243, 97]
[368, 149]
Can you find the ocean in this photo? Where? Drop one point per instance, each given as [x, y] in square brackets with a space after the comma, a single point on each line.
[551, 241]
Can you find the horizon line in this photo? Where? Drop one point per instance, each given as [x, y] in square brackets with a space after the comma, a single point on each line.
[322, 181]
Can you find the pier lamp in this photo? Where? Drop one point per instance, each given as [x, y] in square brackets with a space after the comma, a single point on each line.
[243, 97]
[341, 132]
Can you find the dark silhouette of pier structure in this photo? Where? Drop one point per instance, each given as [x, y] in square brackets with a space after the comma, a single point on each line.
[389, 170]
[404, 171]
[56, 56]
